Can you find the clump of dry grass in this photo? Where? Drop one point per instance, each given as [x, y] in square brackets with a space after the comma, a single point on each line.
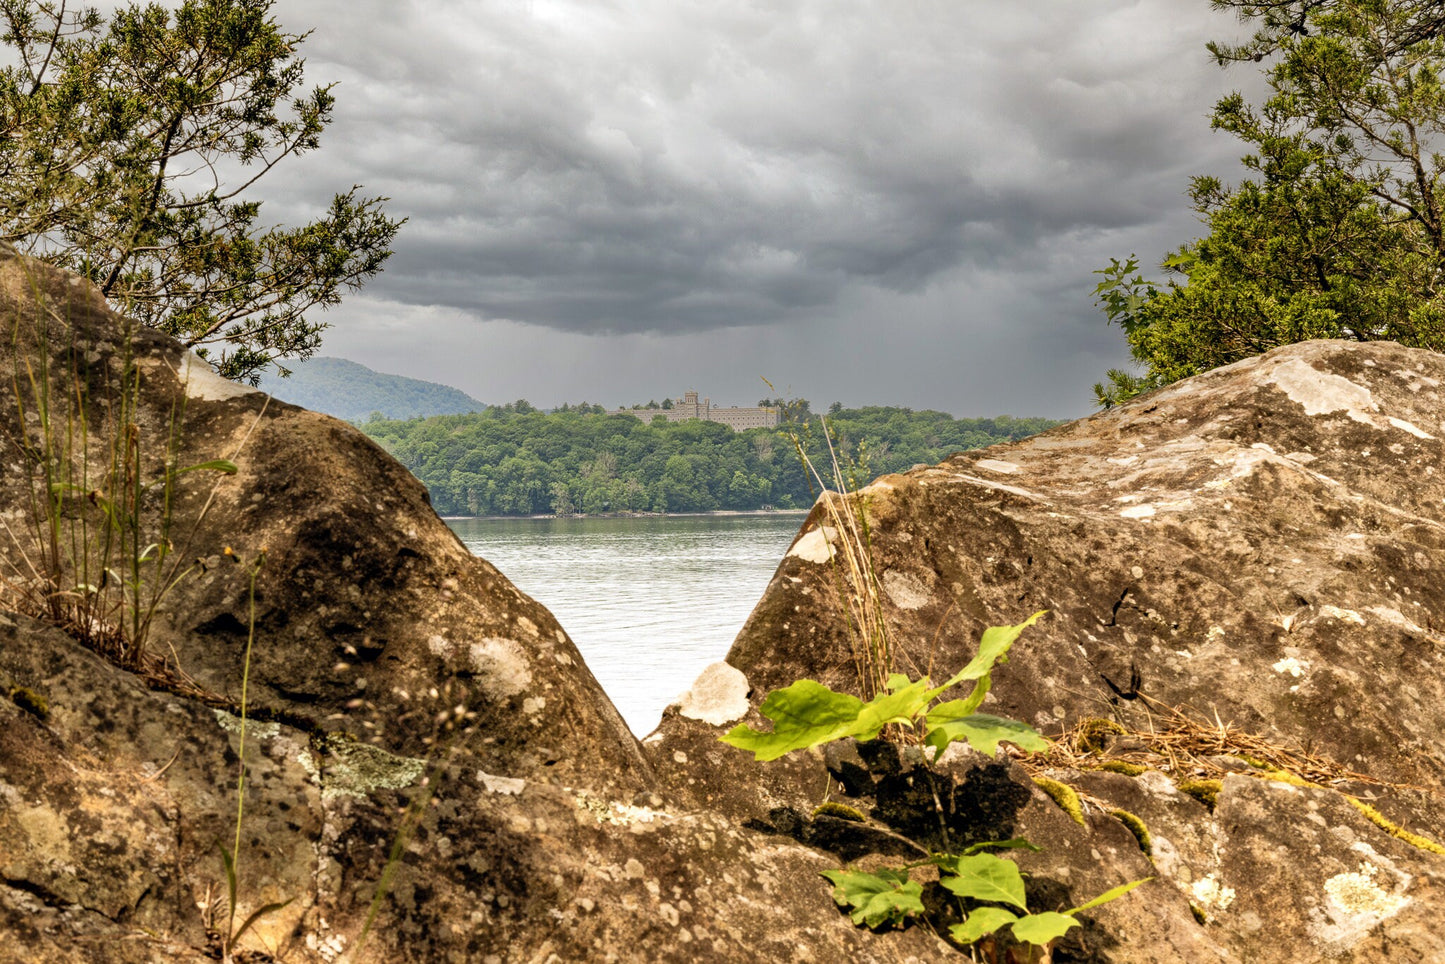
[1198, 752]
[1186, 745]
[855, 578]
[93, 548]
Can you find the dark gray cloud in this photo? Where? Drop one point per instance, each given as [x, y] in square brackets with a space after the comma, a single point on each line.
[600, 174]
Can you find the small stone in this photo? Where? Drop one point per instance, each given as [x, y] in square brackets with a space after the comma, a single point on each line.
[717, 697]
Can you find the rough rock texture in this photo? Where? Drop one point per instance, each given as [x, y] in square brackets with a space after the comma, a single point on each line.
[112, 806]
[1263, 543]
[527, 831]
[364, 593]
[1256, 543]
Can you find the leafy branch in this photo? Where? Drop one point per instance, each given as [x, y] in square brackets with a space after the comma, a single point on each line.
[989, 888]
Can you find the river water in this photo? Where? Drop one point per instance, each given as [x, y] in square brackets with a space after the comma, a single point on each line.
[649, 601]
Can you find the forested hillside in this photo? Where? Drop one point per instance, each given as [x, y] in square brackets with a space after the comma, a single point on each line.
[514, 460]
[354, 392]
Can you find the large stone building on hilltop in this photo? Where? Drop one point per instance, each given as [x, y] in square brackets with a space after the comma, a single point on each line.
[688, 407]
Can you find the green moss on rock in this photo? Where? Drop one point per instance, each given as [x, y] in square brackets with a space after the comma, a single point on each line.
[1205, 791]
[1092, 734]
[30, 701]
[1137, 828]
[840, 810]
[1394, 829]
[1065, 796]
[358, 769]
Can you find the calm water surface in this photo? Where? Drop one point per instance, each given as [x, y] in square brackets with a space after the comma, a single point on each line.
[648, 601]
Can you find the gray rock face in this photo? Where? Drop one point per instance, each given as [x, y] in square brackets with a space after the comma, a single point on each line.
[413, 718]
[366, 600]
[1260, 545]
[1256, 543]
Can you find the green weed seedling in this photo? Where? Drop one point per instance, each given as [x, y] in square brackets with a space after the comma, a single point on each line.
[229, 858]
[233, 933]
[808, 714]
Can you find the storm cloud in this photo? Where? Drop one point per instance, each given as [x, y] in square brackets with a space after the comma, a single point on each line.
[625, 175]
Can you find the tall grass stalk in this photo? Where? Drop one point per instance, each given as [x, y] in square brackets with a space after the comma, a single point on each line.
[231, 859]
[255, 569]
[94, 554]
[855, 576]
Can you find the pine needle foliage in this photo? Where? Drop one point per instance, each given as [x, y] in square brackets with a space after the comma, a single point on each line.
[128, 154]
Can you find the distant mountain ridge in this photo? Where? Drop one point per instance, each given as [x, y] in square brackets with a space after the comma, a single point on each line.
[351, 391]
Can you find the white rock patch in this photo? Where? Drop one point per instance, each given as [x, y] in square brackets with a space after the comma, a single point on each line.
[1211, 894]
[1292, 666]
[1321, 393]
[996, 486]
[1358, 893]
[1343, 615]
[813, 546]
[718, 696]
[1405, 426]
[501, 664]
[202, 382]
[907, 591]
[508, 786]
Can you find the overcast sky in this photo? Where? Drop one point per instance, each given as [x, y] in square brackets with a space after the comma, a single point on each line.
[892, 202]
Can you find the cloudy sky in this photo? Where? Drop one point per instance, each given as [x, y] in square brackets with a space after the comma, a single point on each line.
[873, 202]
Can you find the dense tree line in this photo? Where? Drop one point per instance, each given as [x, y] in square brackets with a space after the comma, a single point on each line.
[130, 148]
[515, 460]
[1337, 229]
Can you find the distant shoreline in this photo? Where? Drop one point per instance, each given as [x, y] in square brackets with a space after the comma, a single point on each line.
[634, 515]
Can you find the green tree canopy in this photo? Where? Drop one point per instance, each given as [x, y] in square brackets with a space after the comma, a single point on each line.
[1339, 229]
[127, 152]
[516, 460]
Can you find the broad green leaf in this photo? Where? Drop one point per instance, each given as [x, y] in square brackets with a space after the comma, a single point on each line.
[804, 714]
[948, 863]
[225, 466]
[993, 647]
[807, 713]
[981, 922]
[973, 701]
[1013, 843]
[986, 877]
[1111, 894]
[983, 732]
[1042, 928]
[900, 706]
[229, 864]
[876, 899]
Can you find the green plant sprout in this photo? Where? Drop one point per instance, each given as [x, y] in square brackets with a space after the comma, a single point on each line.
[808, 714]
[233, 933]
[230, 858]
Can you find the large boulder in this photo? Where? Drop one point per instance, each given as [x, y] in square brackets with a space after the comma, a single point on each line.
[1242, 576]
[366, 600]
[427, 758]
[1240, 656]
